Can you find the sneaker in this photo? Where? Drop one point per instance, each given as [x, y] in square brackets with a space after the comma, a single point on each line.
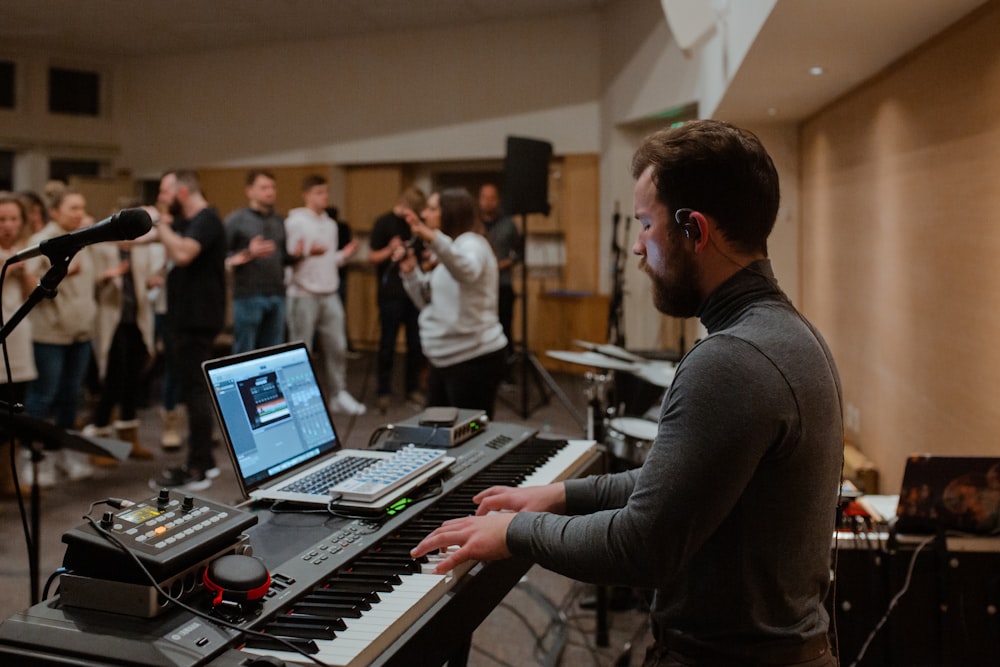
[46, 472]
[181, 477]
[74, 465]
[417, 397]
[344, 403]
[213, 472]
[383, 403]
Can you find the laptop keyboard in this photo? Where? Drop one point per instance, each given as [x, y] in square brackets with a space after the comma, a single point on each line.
[389, 474]
[321, 480]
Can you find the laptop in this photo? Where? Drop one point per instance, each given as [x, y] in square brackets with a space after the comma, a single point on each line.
[279, 433]
[951, 493]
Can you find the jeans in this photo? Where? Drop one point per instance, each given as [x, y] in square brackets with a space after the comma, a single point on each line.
[394, 313]
[258, 321]
[61, 372]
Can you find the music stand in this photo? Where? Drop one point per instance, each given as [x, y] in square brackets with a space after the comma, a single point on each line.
[526, 176]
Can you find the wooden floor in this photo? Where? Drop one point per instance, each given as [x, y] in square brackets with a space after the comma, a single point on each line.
[537, 617]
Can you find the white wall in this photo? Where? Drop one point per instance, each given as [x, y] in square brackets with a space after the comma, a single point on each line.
[645, 78]
[406, 97]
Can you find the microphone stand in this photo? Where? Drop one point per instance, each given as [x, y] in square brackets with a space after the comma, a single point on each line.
[46, 289]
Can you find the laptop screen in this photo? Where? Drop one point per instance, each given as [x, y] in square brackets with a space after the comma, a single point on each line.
[950, 492]
[272, 410]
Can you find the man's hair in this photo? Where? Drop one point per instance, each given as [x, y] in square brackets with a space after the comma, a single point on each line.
[188, 178]
[413, 198]
[312, 180]
[458, 212]
[717, 169]
[254, 173]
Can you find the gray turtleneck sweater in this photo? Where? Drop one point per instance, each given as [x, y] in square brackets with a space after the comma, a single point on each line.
[730, 517]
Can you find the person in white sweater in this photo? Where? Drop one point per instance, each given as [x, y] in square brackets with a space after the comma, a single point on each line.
[460, 332]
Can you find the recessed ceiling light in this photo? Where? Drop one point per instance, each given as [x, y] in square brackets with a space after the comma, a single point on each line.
[816, 71]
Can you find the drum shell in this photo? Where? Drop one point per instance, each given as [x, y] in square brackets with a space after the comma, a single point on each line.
[634, 396]
[629, 439]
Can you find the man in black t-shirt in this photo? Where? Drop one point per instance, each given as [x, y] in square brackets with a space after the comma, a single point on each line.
[394, 306]
[195, 242]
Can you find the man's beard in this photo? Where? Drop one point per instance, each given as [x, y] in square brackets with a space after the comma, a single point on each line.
[675, 294]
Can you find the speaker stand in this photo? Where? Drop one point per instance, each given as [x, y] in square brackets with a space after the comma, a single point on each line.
[531, 368]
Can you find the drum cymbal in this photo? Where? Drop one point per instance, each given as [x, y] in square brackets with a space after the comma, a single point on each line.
[659, 373]
[610, 350]
[594, 359]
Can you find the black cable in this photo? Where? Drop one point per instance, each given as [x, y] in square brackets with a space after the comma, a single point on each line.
[48, 582]
[29, 539]
[894, 601]
[377, 433]
[491, 656]
[111, 537]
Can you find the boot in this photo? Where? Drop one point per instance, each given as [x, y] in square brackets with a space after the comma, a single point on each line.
[94, 431]
[171, 435]
[7, 489]
[128, 431]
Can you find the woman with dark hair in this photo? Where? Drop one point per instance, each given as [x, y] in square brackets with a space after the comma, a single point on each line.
[459, 329]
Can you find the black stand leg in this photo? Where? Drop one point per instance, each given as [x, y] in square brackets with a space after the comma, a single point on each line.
[36, 524]
[460, 658]
[531, 367]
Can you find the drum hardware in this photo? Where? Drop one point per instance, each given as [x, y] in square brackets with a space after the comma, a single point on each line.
[596, 393]
[609, 350]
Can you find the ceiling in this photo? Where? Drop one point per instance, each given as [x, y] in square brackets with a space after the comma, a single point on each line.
[851, 39]
[145, 27]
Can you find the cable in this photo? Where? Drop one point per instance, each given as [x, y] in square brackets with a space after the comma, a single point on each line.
[29, 538]
[377, 433]
[52, 577]
[894, 601]
[208, 617]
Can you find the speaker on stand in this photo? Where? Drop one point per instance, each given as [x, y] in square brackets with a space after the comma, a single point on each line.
[526, 191]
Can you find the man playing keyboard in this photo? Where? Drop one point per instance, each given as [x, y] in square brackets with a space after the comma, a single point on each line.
[729, 518]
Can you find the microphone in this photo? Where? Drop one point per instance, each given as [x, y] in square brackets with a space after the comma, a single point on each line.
[124, 225]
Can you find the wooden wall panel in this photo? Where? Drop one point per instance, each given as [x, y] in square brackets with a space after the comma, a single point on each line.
[580, 204]
[900, 243]
[225, 187]
[371, 191]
